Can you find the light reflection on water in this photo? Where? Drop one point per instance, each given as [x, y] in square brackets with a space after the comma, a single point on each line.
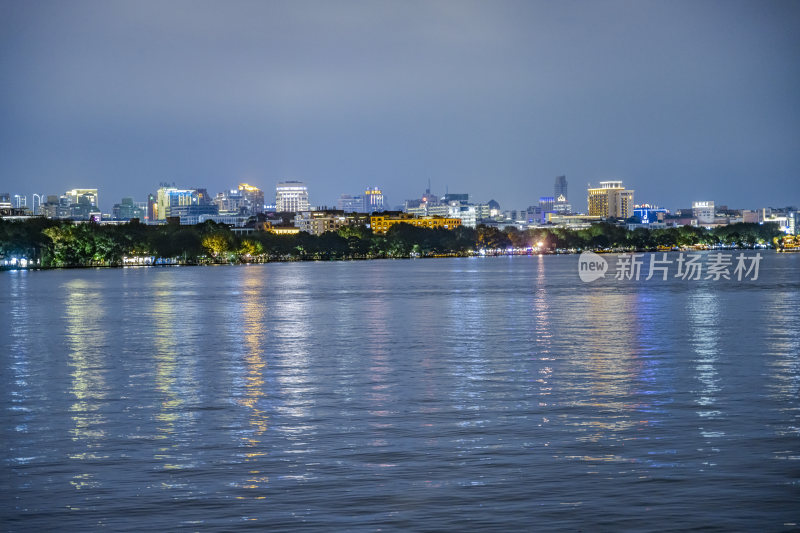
[85, 338]
[454, 394]
[705, 316]
[253, 332]
[176, 321]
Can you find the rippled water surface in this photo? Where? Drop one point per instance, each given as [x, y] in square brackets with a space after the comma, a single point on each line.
[448, 394]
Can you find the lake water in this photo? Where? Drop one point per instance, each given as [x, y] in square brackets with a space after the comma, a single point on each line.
[445, 394]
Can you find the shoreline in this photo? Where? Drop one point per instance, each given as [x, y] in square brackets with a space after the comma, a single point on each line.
[162, 262]
[44, 244]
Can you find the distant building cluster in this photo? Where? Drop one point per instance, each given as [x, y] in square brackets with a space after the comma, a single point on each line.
[245, 208]
[75, 203]
[370, 201]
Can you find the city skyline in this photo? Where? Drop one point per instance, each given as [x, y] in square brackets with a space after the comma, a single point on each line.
[680, 100]
[581, 205]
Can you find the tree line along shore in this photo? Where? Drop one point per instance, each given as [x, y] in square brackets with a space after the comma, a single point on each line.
[45, 243]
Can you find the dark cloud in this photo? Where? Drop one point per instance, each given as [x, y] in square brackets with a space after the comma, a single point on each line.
[682, 100]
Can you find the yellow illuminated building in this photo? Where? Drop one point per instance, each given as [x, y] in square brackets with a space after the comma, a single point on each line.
[254, 195]
[277, 230]
[611, 199]
[382, 223]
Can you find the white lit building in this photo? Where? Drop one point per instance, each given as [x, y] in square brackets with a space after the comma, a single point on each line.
[561, 205]
[468, 214]
[704, 212]
[291, 197]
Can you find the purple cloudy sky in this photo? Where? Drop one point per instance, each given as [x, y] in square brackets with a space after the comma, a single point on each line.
[683, 100]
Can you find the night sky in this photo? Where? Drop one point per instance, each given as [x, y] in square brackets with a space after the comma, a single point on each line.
[682, 100]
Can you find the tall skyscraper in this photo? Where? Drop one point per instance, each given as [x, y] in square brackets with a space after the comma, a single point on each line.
[560, 188]
[611, 199]
[291, 197]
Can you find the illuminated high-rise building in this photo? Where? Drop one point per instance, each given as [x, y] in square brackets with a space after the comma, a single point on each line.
[373, 200]
[611, 200]
[254, 197]
[291, 197]
[170, 198]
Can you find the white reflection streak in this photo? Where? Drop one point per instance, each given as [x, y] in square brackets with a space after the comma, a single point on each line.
[22, 405]
[380, 396]
[544, 334]
[292, 305]
[782, 350]
[18, 333]
[704, 314]
[469, 322]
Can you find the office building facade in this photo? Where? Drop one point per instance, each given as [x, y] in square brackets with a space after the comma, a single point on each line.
[291, 197]
[610, 200]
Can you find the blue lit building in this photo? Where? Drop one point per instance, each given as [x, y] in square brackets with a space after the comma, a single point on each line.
[546, 205]
[648, 214]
